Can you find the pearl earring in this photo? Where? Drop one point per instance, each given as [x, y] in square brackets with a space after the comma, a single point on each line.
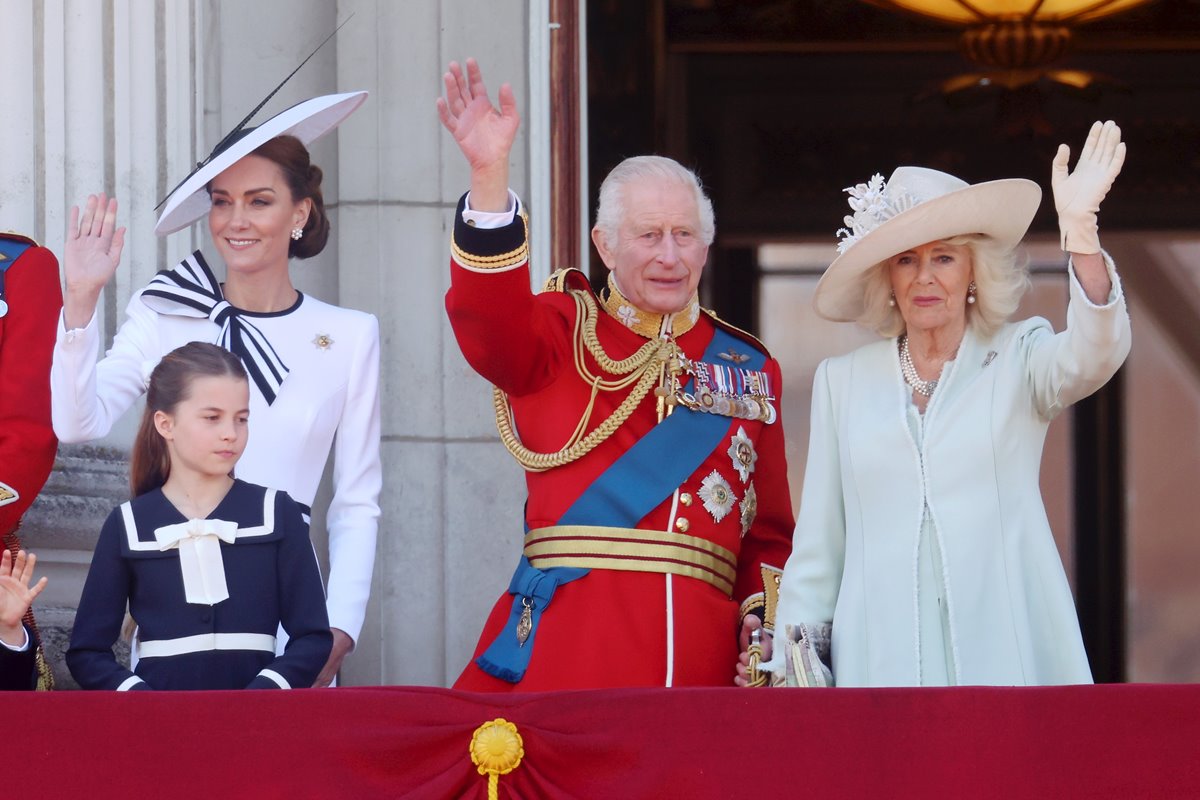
[971, 292]
[892, 300]
[297, 233]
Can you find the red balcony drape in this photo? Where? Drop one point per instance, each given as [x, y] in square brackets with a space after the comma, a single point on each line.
[405, 742]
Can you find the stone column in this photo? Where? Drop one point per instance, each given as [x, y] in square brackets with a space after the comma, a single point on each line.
[452, 496]
[99, 97]
[125, 95]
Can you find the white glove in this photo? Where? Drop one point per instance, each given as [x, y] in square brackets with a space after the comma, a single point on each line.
[1077, 195]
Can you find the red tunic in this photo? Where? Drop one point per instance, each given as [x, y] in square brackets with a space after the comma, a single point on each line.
[610, 628]
[27, 442]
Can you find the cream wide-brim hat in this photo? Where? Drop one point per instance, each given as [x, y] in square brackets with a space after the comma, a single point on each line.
[307, 121]
[917, 206]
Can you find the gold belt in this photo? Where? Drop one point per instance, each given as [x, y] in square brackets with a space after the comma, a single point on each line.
[632, 550]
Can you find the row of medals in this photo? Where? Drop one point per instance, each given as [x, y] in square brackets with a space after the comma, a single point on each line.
[755, 404]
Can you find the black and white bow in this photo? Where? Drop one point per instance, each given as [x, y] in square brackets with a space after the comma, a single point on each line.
[191, 290]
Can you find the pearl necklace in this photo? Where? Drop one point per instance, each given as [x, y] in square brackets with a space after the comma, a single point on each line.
[910, 371]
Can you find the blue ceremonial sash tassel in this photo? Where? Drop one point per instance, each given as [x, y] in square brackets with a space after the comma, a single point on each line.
[633, 486]
[506, 658]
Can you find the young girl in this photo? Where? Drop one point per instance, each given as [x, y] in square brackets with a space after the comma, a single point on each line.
[210, 566]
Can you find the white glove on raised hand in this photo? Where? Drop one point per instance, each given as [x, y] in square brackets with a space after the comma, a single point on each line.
[1077, 195]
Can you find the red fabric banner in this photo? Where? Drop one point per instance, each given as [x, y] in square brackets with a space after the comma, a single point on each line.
[1094, 741]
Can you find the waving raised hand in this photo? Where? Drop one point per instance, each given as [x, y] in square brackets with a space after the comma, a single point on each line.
[1078, 194]
[16, 595]
[91, 255]
[484, 133]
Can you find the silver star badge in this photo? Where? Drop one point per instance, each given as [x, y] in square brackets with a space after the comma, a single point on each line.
[741, 451]
[717, 495]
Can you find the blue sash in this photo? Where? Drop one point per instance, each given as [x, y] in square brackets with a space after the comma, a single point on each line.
[633, 486]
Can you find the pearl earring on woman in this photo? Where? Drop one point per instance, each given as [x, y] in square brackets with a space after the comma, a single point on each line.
[971, 293]
[892, 300]
[298, 232]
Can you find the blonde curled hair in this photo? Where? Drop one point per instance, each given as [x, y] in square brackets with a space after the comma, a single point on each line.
[1001, 278]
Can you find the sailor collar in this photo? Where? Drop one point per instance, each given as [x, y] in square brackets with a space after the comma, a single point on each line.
[645, 323]
[141, 538]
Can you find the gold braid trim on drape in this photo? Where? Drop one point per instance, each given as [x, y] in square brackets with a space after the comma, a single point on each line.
[656, 359]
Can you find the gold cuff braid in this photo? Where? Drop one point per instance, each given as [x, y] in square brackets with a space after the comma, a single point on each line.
[507, 260]
[750, 605]
[765, 601]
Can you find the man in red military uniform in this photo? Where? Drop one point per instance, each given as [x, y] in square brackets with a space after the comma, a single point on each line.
[30, 302]
[658, 512]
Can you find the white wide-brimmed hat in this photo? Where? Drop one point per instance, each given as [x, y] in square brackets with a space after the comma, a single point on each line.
[307, 121]
[914, 207]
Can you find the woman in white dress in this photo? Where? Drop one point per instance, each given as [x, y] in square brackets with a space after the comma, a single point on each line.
[314, 367]
[922, 545]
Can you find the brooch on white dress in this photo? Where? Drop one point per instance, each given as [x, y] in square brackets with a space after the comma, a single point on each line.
[323, 341]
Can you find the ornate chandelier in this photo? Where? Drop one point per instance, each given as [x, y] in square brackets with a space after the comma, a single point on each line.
[1012, 34]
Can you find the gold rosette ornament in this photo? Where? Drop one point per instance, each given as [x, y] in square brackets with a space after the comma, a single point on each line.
[496, 749]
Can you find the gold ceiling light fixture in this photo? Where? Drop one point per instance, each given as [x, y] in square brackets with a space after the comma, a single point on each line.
[1012, 34]
[1015, 43]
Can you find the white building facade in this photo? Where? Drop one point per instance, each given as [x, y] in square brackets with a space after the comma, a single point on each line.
[125, 95]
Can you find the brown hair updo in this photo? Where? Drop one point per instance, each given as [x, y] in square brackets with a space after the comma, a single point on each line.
[171, 384]
[304, 180]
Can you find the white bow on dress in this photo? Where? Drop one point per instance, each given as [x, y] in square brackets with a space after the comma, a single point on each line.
[199, 543]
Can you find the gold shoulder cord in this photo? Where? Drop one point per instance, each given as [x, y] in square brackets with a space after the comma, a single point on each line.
[640, 370]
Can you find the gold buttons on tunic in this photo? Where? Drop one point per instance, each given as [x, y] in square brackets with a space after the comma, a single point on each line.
[685, 498]
[682, 525]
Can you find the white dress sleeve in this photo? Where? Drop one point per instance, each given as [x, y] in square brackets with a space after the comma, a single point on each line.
[86, 398]
[812, 577]
[1068, 366]
[353, 518]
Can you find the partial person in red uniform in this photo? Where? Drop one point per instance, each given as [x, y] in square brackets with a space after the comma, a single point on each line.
[30, 301]
[658, 512]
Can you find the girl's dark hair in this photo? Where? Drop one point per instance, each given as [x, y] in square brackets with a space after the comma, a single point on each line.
[170, 384]
[304, 180]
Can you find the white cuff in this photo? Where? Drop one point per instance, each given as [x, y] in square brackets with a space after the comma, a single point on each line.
[1114, 294]
[490, 219]
[23, 646]
[74, 335]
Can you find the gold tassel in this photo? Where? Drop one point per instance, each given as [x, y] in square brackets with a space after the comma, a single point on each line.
[496, 749]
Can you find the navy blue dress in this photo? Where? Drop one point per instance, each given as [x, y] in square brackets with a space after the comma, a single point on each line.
[272, 576]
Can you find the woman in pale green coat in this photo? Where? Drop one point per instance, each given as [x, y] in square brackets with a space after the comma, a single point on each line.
[922, 540]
